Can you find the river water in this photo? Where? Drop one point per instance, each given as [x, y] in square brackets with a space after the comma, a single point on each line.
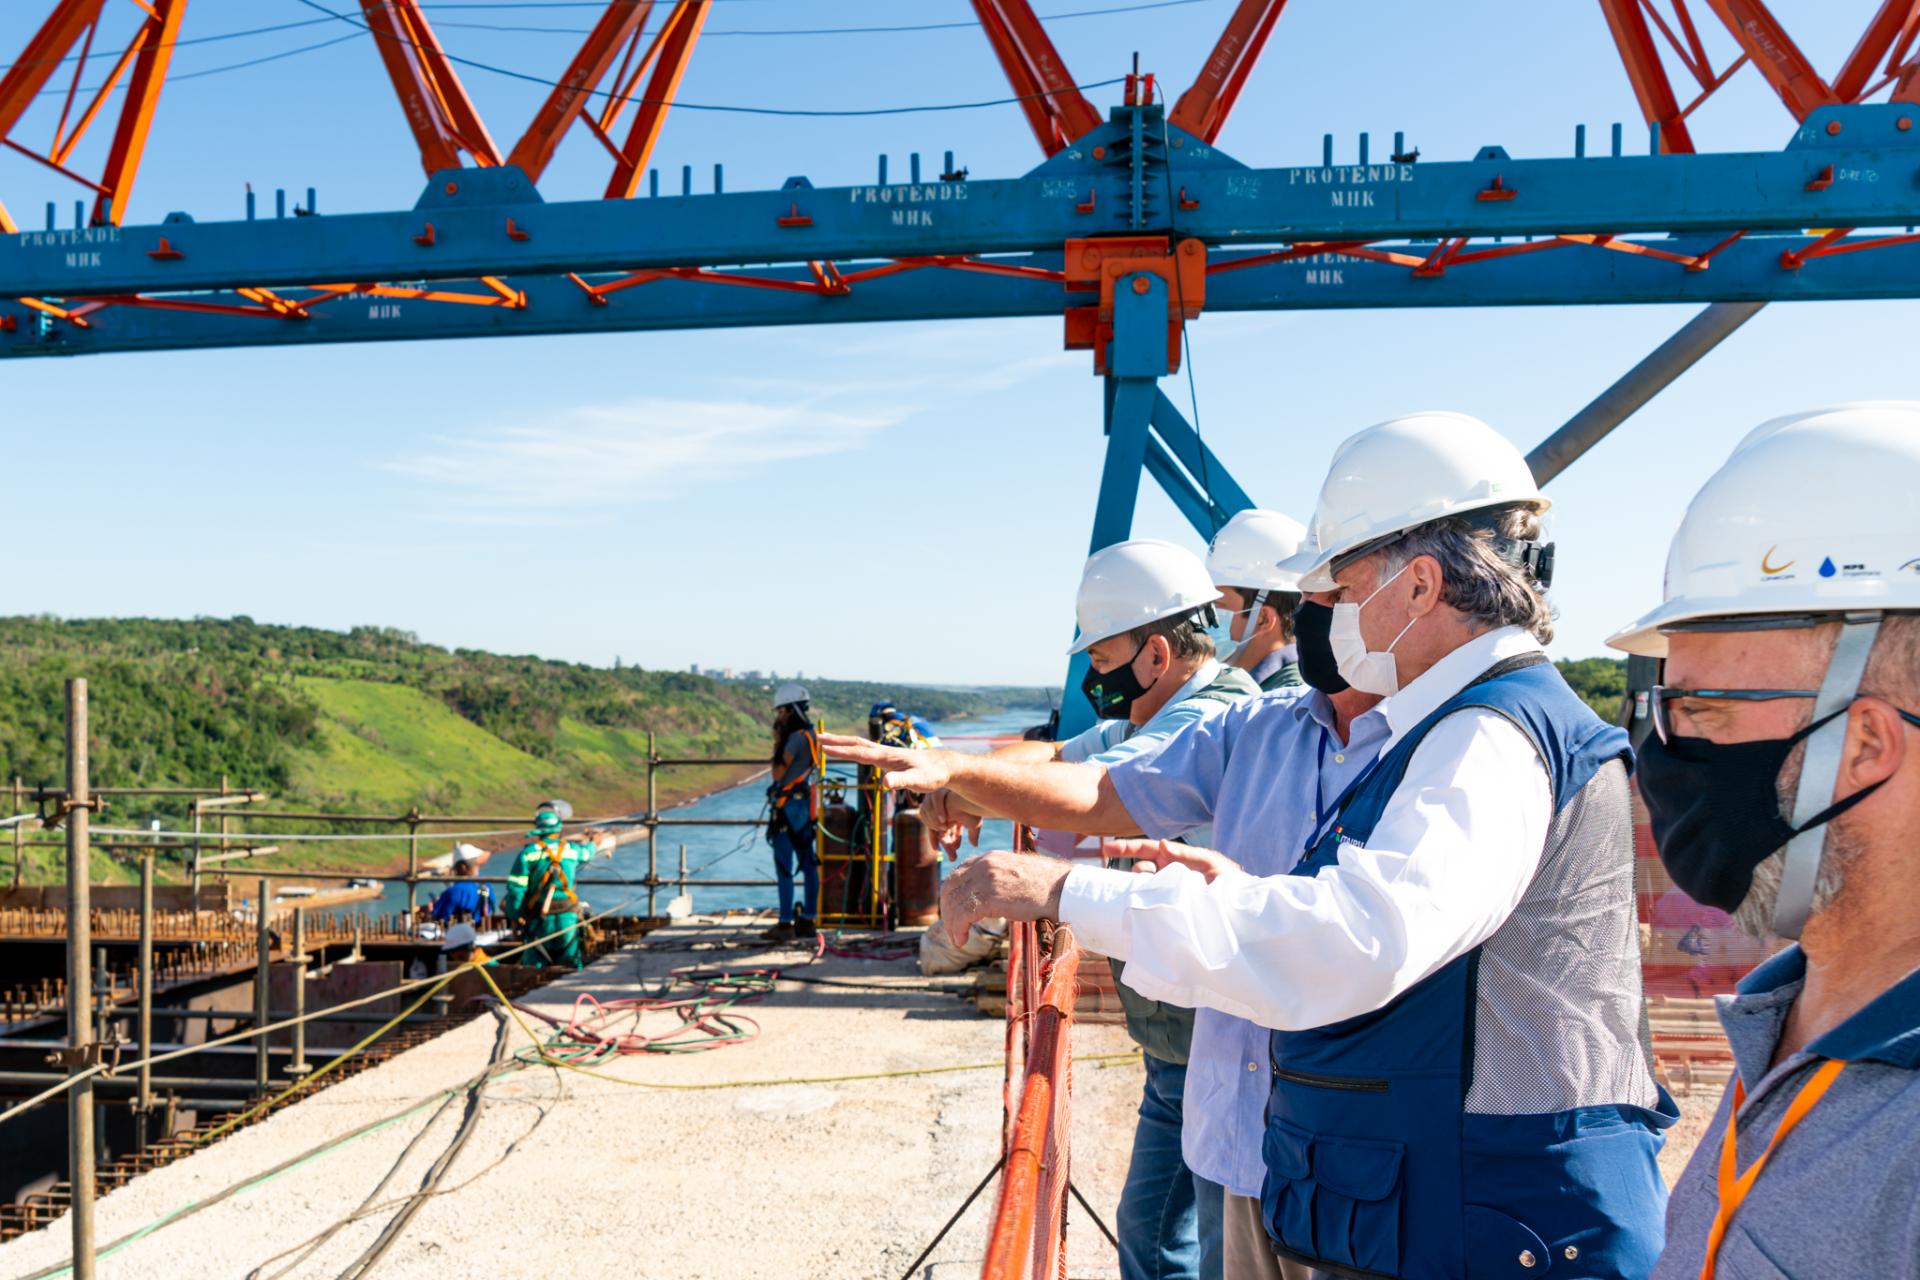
[733, 853]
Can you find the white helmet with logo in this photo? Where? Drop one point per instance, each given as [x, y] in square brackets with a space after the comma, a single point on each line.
[1252, 550]
[1407, 471]
[1815, 512]
[1132, 583]
[788, 694]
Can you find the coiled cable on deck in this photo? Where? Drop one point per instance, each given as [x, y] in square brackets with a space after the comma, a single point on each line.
[704, 1000]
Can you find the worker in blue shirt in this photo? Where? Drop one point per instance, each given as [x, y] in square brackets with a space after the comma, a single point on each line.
[465, 899]
[1782, 782]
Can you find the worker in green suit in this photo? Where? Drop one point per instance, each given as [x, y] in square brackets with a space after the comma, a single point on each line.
[540, 893]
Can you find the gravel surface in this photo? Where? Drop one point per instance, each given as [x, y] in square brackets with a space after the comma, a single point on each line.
[566, 1174]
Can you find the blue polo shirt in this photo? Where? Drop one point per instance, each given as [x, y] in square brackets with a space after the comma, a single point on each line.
[1261, 772]
[1840, 1197]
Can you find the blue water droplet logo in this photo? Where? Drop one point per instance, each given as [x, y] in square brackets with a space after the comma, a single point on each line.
[1826, 567]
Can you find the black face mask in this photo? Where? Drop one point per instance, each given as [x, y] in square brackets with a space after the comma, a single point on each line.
[1114, 692]
[1312, 624]
[1715, 810]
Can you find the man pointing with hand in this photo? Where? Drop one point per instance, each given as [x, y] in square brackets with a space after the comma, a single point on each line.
[1459, 1082]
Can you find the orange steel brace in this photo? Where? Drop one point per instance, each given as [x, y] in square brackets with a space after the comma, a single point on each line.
[1895, 19]
[1775, 54]
[68, 22]
[148, 54]
[1055, 108]
[571, 96]
[1040, 1124]
[1628, 22]
[442, 117]
[136, 113]
[1203, 108]
[673, 49]
[1100, 264]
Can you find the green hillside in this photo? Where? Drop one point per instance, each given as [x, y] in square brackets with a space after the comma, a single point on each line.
[373, 721]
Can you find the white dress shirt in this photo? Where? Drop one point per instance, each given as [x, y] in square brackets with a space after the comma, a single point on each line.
[1446, 864]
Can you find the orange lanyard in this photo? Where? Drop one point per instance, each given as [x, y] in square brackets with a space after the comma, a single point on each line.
[1735, 1185]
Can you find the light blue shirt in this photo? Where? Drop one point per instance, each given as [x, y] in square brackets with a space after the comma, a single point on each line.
[1110, 741]
[1261, 772]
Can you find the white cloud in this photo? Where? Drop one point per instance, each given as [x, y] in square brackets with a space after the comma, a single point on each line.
[549, 472]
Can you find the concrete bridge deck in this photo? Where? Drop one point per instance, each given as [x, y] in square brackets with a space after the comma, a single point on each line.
[566, 1174]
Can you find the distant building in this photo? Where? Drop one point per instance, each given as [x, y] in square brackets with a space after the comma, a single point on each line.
[693, 668]
[726, 673]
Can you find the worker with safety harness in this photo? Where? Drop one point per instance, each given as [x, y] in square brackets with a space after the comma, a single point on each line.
[541, 896]
[1460, 1083]
[1782, 778]
[1259, 590]
[887, 723]
[793, 812]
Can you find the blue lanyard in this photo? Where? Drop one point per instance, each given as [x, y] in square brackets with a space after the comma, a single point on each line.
[1330, 817]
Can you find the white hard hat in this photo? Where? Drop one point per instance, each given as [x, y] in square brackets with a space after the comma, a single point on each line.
[1407, 471]
[790, 693]
[1816, 512]
[459, 934]
[1132, 583]
[1254, 549]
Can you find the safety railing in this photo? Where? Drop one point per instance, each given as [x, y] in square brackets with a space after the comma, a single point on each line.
[1028, 1237]
[855, 854]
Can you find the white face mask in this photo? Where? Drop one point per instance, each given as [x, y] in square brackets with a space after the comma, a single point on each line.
[1225, 647]
[1364, 669]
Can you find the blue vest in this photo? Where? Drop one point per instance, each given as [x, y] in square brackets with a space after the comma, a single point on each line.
[1375, 1168]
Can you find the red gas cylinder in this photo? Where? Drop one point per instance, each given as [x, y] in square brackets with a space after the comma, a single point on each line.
[836, 831]
[916, 864]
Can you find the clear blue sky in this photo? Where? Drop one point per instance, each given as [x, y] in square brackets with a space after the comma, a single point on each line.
[903, 502]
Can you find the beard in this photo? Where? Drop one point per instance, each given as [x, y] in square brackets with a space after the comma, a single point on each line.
[1754, 915]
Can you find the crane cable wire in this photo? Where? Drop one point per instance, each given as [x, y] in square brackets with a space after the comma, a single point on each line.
[184, 42]
[723, 108]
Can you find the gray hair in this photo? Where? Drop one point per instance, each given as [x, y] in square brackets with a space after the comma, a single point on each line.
[1476, 579]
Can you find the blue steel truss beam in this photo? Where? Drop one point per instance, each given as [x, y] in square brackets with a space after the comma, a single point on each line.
[486, 222]
[1750, 270]
[1211, 485]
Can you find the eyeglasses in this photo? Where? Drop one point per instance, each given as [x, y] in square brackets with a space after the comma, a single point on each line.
[1662, 694]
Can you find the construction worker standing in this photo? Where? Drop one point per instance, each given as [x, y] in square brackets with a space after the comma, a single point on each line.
[1782, 778]
[1258, 593]
[541, 894]
[793, 813]
[1460, 1080]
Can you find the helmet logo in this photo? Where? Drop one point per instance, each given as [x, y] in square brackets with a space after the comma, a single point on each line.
[1769, 568]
